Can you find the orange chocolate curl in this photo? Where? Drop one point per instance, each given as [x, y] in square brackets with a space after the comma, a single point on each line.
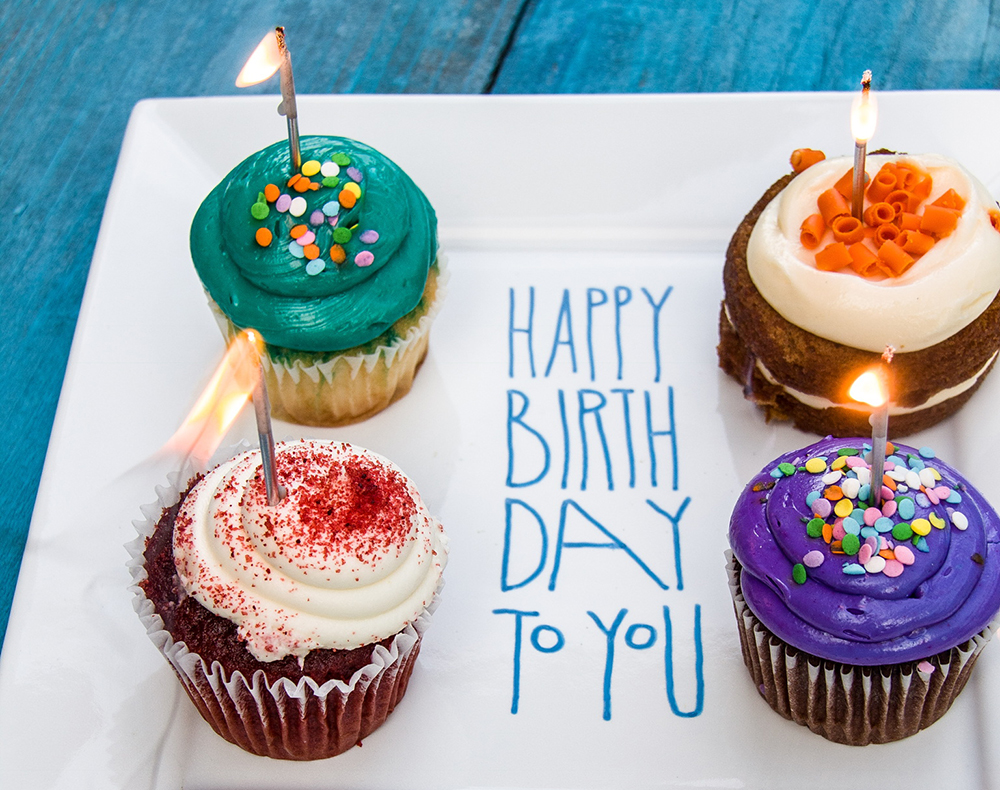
[846, 184]
[812, 231]
[908, 221]
[831, 205]
[884, 233]
[848, 230]
[995, 218]
[879, 214]
[901, 200]
[833, 257]
[863, 260]
[950, 199]
[915, 242]
[922, 189]
[893, 260]
[938, 220]
[803, 158]
[883, 183]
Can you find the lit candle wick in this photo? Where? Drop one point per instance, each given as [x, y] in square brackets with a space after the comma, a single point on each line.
[272, 55]
[863, 116]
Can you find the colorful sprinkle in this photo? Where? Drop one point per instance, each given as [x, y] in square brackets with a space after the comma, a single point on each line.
[902, 531]
[875, 565]
[926, 452]
[354, 173]
[786, 469]
[296, 250]
[814, 529]
[283, 203]
[331, 181]
[314, 267]
[921, 526]
[331, 208]
[813, 559]
[799, 573]
[347, 198]
[329, 169]
[883, 524]
[317, 218]
[302, 185]
[306, 238]
[850, 544]
[311, 251]
[259, 210]
[310, 168]
[342, 235]
[853, 569]
[369, 236]
[263, 237]
[353, 188]
[843, 508]
[341, 159]
[936, 521]
[297, 207]
[960, 520]
[816, 465]
[298, 231]
[822, 508]
[904, 555]
[364, 258]
[893, 568]
[271, 193]
[337, 254]
[865, 553]
[926, 666]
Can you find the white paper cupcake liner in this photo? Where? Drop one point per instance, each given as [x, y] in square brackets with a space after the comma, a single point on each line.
[348, 387]
[848, 704]
[285, 719]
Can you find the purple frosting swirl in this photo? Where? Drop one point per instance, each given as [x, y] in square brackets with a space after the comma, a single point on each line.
[948, 594]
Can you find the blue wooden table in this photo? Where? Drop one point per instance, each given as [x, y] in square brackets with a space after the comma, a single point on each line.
[71, 70]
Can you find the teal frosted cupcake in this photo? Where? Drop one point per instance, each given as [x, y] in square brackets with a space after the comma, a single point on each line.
[335, 265]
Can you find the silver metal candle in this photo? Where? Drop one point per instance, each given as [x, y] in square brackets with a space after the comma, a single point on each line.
[272, 55]
[288, 107]
[265, 435]
[879, 421]
[862, 126]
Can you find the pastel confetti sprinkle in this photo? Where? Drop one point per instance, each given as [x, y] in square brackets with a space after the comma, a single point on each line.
[369, 236]
[310, 168]
[314, 267]
[926, 452]
[331, 181]
[331, 208]
[341, 159]
[353, 188]
[926, 666]
[297, 207]
[283, 203]
[354, 173]
[364, 258]
[306, 238]
[329, 169]
[263, 237]
[337, 254]
[813, 559]
[317, 218]
[296, 250]
[853, 569]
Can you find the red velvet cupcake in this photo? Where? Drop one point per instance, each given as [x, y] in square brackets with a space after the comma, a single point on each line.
[293, 628]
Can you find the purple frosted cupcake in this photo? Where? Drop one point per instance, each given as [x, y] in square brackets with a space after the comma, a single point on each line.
[862, 623]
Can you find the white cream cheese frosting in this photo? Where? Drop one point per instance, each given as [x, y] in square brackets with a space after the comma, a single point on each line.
[349, 557]
[940, 294]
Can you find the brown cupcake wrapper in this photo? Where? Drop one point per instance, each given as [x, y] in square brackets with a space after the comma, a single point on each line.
[854, 705]
[285, 719]
[348, 387]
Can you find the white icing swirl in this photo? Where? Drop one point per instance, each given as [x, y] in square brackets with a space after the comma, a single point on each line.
[940, 294]
[349, 557]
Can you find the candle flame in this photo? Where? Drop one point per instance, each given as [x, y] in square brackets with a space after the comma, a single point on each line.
[217, 407]
[864, 113]
[262, 64]
[869, 388]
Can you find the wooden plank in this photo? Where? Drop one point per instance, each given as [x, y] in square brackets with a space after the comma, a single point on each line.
[625, 46]
[70, 72]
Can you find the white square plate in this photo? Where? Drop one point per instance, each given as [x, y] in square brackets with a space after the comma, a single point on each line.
[589, 196]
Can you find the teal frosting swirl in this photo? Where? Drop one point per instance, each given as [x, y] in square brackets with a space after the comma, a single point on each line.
[269, 289]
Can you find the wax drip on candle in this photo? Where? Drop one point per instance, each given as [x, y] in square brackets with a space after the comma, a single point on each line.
[863, 117]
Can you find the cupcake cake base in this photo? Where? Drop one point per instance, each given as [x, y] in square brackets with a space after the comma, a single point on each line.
[849, 704]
